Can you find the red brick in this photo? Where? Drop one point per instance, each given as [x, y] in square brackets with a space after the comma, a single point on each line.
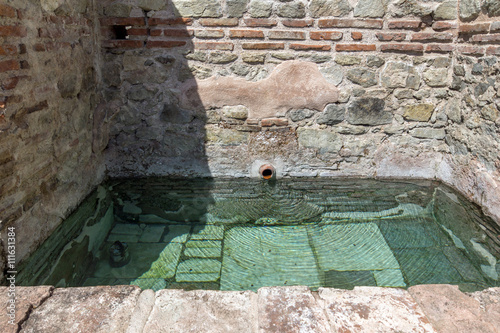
[139, 21]
[9, 65]
[402, 48]
[471, 50]
[493, 50]
[164, 43]
[354, 47]
[173, 21]
[123, 44]
[443, 25]
[8, 50]
[219, 22]
[155, 32]
[491, 39]
[7, 11]
[221, 46]
[177, 33]
[389, 36]
[287, 34]
[356, 35]
[256, 22]
[39, 47]
[268, 122]
[245, 33]
[298, 23]
[263, 46]
[477, 28]
[310, 47]
[432, 37]
[351, 23]
[325, 35]
[12, 31]
[439, 48]
[52, 32]
[137, 32]
[10, 83]
[405, 24]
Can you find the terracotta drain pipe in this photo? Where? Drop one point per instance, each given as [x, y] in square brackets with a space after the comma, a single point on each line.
[267, 172]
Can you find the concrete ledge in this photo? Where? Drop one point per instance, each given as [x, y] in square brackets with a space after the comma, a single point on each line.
[423, 308]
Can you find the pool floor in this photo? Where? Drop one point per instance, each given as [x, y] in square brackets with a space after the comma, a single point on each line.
[247, 257]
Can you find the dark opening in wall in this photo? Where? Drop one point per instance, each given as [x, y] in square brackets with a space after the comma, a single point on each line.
[120, 32]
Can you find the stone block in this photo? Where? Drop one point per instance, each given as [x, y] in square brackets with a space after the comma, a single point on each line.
[323, 140]
[152, 234]
[368, 111]
[363, 77]
[198, 8]
[319, 8]
[370, 8]
[418, 112]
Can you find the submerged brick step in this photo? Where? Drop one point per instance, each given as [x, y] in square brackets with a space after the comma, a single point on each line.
[423, 308]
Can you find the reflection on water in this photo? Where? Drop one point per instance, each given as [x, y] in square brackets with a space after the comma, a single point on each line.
[242, 234]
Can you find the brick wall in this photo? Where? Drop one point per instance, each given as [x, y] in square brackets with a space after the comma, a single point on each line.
[49, 158]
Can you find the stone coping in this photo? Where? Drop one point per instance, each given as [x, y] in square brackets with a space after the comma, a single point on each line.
[422, 308]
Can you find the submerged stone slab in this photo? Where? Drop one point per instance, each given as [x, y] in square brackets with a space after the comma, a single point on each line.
[450, 310]
[292, 85]
[203, 249]
[203, 311]
[290, 309]
[177, 234]
[147, 260]
[352, 247]
[27, 298]
[373, 309]
[152, 234]
[211, 232]
[89, 309]
[267, 256]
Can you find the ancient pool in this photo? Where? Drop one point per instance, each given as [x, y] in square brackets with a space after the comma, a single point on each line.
[241, 234]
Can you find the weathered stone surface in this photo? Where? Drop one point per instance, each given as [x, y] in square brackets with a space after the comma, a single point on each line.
[368, 111]
[333, 114]
[68, 85]
[292, 10]
[236, 111]
[490, 112]
[347, 60]
[290, 309]
[453, 110]
[86, 309]
[325, 141]
[27, 299]
[117, 10]
[418, 112]
[222, 57]
[428, 133]
[292, 85]
[236, 8]
[321, 8]
[301, 114]
[203, 311]
[225, 136]
[370, 8]
[400, 75]
[260, 8]
[333, 74]
[446, 11]
[450, 310]
[143, 307]
[253, 58]
[198, 8]
[374, 61]
[469, 9]
[436, 77]
[373, 310]
[492, 7]
[403, 8]
[151, 4]
[363, 77]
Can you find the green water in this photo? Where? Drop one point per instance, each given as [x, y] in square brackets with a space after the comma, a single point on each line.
[246, 234]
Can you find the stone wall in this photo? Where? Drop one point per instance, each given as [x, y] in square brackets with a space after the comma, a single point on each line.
[400, 88]
[50, 139]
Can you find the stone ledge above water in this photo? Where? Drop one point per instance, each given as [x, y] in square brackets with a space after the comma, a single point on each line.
[423, 308]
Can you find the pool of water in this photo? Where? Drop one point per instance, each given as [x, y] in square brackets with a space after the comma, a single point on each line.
[243, 234]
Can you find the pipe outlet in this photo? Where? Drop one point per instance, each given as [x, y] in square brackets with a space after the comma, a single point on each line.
[267, 172]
